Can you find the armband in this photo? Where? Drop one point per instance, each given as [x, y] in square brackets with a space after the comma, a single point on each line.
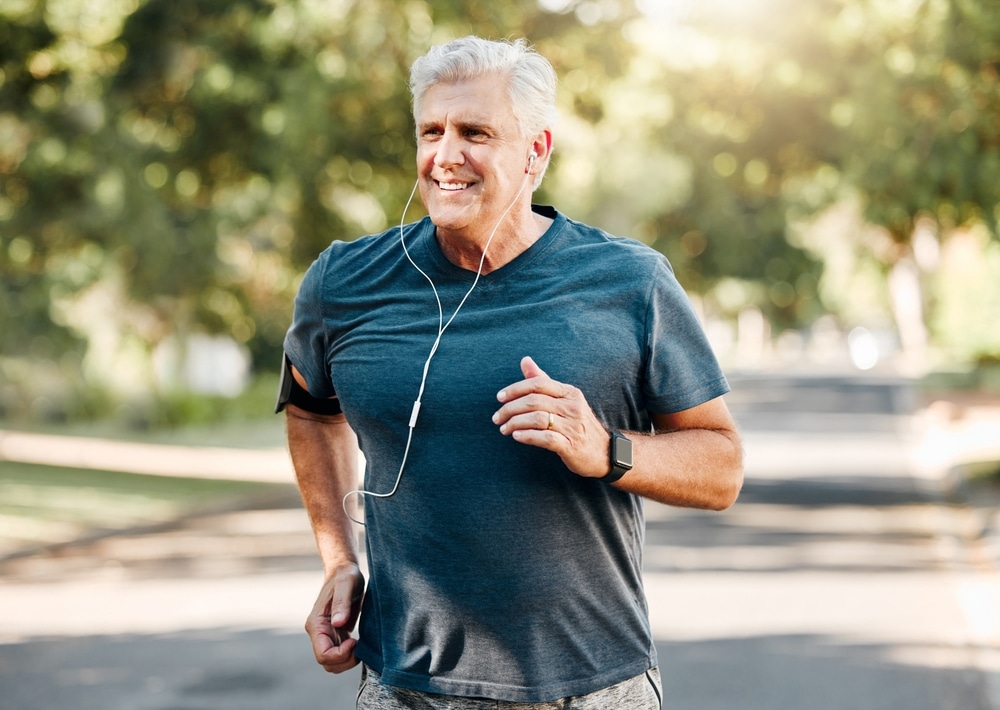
[291, 392]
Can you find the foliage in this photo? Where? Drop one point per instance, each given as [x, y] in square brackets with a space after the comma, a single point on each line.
[748, 119]
[922, 115]
[170, 168]
[897, 102]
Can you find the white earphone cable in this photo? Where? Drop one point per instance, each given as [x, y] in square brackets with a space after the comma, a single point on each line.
[442, 327]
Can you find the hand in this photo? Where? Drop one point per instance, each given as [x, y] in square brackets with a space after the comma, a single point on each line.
[333, 617]
[540, 411]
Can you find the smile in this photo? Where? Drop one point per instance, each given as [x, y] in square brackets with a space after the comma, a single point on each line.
[453, 186]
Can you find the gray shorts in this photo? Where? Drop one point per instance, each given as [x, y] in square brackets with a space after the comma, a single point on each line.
[642, 692]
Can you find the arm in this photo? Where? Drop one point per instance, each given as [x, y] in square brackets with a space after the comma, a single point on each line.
[693, 458]
[324, 455]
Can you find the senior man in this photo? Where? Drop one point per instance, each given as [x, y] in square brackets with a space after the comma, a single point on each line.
[518, 382]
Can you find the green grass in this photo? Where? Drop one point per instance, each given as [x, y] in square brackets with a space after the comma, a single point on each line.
[44, 505]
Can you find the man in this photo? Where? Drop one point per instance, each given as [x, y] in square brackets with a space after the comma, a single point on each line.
[560, 376]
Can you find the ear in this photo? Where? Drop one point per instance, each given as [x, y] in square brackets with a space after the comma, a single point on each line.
[541, 146]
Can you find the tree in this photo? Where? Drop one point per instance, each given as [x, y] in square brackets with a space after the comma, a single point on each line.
[773, 110]
[710, 128]
[920, 135]
[171, 168]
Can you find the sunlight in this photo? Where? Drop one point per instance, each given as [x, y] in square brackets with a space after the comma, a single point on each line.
[675, 12]
[668, 12]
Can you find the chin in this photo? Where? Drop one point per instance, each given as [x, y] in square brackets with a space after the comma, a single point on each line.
[448, 217]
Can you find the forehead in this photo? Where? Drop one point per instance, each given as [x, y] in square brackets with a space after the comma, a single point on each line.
[482, 101]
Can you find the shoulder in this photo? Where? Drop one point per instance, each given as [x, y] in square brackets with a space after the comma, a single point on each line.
[355, 258]
[584, 233]
[363, 247]
[615, 252]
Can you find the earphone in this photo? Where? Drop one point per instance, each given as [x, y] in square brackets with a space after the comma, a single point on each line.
[442, 327]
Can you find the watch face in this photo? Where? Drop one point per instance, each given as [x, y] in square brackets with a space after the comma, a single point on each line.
[623, 452]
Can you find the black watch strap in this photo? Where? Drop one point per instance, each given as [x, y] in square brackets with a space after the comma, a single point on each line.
[621, 457]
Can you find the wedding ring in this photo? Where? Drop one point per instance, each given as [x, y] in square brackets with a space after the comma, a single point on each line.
[552, 420]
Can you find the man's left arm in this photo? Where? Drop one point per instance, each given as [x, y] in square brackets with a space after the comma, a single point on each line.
[694, 458]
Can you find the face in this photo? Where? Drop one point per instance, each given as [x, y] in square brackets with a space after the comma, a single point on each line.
[471, 156]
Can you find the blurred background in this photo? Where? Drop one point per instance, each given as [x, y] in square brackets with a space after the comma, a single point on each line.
[823, 175]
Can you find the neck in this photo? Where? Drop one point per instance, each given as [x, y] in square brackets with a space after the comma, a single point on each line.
[513, 235]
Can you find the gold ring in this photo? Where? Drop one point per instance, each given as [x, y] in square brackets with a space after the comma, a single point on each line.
[552, 420]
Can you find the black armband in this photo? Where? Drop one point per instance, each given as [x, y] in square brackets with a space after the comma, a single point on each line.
[291, 392]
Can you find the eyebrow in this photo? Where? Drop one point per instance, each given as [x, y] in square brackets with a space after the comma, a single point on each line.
[483, 126]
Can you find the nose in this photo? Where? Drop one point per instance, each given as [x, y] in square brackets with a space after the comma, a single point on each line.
[449, 151]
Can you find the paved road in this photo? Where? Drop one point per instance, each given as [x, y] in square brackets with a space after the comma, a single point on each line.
[840, 580]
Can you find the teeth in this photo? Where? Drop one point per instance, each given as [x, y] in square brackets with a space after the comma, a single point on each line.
[454, 185]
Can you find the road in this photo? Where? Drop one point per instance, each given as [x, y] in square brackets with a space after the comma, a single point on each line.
[842, 579]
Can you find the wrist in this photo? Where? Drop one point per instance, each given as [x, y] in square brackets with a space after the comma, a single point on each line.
[620, 456]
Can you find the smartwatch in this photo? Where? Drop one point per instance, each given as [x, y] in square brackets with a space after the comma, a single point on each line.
[621, 457]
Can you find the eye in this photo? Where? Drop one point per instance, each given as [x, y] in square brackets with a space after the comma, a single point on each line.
[477, 135]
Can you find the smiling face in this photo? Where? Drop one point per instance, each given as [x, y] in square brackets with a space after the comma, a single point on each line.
[471, 158]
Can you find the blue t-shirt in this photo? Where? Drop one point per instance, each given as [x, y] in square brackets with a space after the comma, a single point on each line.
[495, 571]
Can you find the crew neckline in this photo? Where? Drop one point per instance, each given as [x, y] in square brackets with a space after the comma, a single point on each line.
[429, 249]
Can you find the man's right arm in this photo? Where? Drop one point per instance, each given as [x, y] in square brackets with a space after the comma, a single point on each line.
[324, 454]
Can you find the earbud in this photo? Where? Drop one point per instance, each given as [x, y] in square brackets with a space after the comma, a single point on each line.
[531, 161]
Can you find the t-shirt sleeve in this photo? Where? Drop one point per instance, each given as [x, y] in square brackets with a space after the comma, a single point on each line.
[306, 339]
[683, 372]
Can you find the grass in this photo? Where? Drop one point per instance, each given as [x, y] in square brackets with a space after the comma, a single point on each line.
[47, 505]
[267, 432]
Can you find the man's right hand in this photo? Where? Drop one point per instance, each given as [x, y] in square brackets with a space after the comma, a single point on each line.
[333, 617]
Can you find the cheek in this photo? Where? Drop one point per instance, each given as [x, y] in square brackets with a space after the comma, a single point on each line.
[425, 159]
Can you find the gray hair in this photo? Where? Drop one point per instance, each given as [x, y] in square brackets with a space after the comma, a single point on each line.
[531, 80]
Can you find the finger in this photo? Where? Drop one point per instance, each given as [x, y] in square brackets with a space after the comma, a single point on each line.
[339, 658]
[333, 649]
[341, 607]
[536, 381]
[530, 369]
[529, 411]
[347, 593]
[539, 436]
[324, 640]
[322, 633]
[537, 428]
